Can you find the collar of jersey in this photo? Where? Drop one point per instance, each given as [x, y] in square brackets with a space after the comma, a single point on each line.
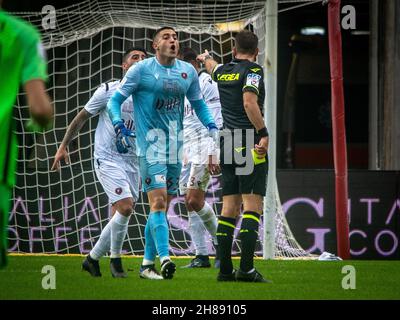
[239, 60]
[158, 62]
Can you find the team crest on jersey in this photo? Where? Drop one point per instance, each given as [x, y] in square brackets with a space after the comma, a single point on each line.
[118, 190]
[184, 75]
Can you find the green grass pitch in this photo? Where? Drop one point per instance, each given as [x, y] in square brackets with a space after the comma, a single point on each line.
[22, 279]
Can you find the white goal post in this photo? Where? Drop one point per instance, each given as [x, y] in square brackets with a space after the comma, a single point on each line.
[65, 212]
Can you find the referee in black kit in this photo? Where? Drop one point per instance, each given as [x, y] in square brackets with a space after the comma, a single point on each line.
[244, 145]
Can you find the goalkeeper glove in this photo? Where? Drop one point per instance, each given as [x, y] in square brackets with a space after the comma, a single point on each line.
[123, 134]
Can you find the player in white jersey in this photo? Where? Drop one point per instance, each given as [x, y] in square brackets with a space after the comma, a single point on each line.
[195, 175]
[116, 168]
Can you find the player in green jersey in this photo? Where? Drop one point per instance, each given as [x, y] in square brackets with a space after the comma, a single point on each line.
[22, 61]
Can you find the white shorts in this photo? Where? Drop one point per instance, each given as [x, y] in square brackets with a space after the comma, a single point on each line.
[194, 176]
[117, 182]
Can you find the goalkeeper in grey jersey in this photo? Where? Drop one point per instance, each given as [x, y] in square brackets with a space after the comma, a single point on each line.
[116, 168]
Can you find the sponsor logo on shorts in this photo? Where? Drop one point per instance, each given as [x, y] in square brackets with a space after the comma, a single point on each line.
[160, 178]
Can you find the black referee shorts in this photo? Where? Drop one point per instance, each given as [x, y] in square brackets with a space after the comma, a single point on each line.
[233, 181]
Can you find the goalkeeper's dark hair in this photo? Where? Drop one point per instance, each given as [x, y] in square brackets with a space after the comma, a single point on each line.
[188, 54]
[127, 52]
[246, 42]
[161, 29]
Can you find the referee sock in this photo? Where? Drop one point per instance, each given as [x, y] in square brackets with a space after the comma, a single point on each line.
[226, 227]
[160, 233]
[248, 237]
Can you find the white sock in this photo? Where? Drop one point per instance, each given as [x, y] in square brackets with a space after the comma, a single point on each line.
[164, 258]
[103, 244]
[147, 262]
[119, 227]
[197, 232]
[209, 219]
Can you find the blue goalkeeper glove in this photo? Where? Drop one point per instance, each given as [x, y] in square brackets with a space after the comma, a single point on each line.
[213, 132]
[123, 142]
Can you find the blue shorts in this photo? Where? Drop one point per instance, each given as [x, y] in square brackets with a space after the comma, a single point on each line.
[156, 175]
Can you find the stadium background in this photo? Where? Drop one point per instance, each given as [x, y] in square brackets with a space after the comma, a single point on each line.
[306, 194]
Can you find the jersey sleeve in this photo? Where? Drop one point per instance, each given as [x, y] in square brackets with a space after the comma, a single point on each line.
[131, 81]
[214, 72]
[35, 62]
[98, 101]
[253, 79]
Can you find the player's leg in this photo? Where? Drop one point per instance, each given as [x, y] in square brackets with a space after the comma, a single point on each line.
[157, 238]
[196, 227]
[201, 213]
[226, 227]
[5, 196]
[122, 191]
[162, 237]
[119, 228]
[160, 230]
[253, 188]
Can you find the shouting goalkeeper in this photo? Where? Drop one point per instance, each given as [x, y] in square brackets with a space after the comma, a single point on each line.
[116, 168]
[158, 86]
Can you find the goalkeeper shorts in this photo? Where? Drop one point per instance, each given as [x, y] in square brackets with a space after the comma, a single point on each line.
[158, 175]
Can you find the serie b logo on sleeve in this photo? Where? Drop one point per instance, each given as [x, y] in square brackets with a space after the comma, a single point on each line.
[118, 191]
[184, 75]
[253, 80]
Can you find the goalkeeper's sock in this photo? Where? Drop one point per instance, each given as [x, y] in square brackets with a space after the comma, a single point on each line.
[209, 219]
[150, 250]
[160, 232]
[197, 230]
[119, 227]
[226, 227]
[248, 237]
[102, 246]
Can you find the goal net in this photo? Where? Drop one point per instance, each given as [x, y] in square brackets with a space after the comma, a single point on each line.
[64, 212]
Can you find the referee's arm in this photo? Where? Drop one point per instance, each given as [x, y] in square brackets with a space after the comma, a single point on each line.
[208, 61]
[250, 103]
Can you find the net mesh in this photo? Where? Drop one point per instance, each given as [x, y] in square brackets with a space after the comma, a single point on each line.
[65, 211]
